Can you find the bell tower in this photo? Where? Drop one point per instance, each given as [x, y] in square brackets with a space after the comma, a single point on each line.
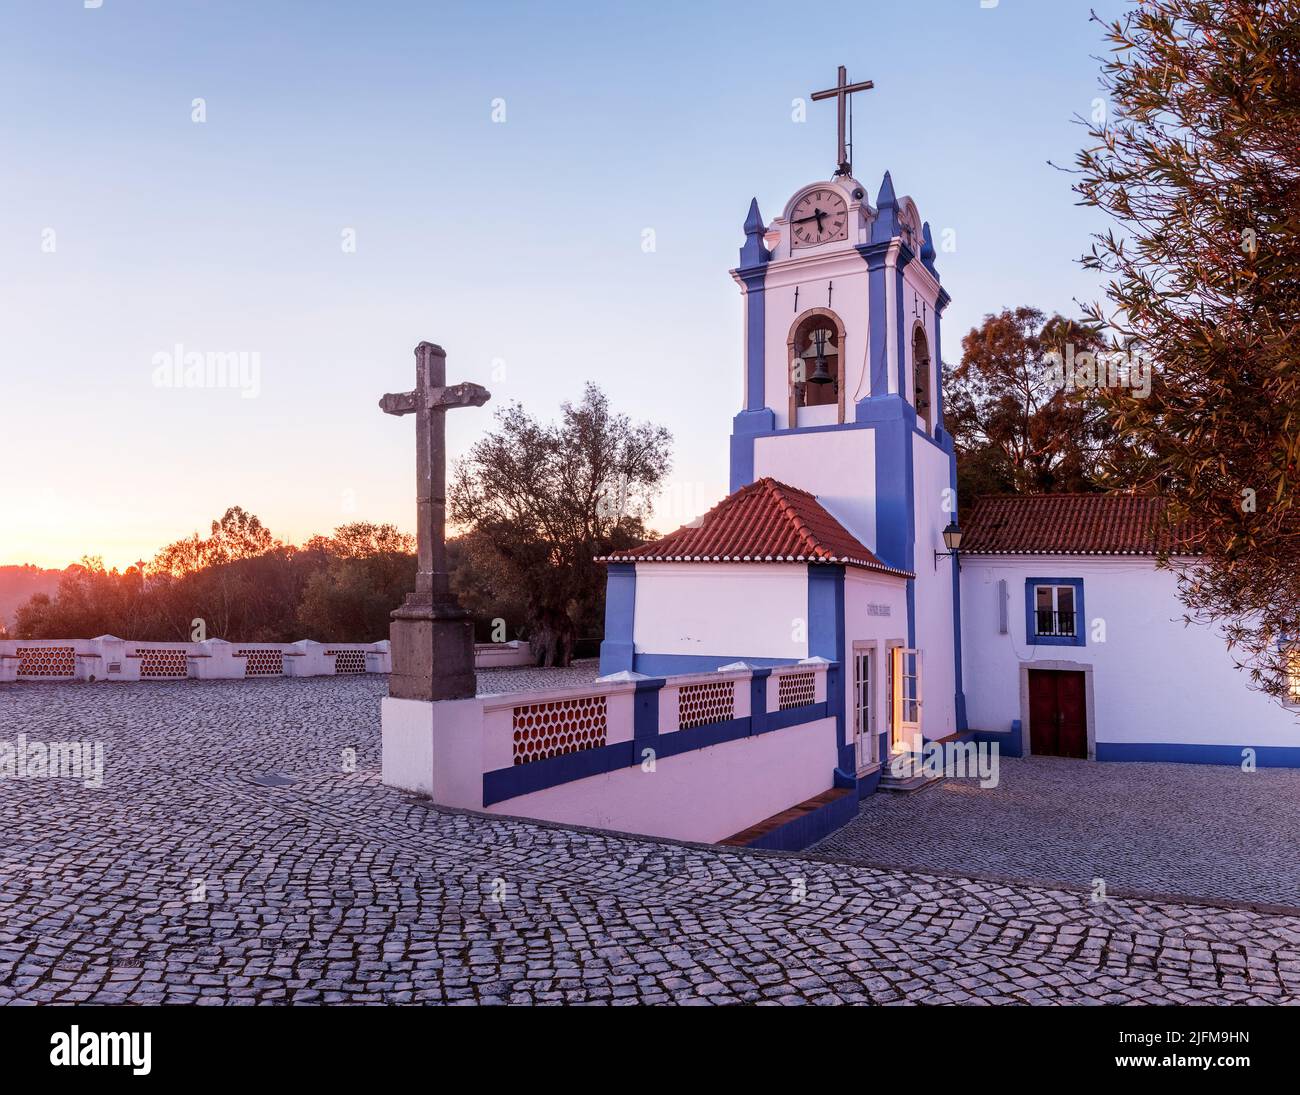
[843, 371]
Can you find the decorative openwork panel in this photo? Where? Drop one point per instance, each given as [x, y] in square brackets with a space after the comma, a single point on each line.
[348, 661]
[262, 663]
[795, 690]
[700, 704]
[543, 730]
[47, 661]
[163, 664]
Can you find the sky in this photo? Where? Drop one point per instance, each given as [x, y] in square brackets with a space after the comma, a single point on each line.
[319, 186]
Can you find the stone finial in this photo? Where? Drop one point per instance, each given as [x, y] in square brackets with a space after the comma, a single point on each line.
[927, 249]
[886, 226]
[753, 253]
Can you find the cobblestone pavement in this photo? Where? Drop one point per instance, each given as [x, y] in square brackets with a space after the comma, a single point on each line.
[334, 888]
[495, 681]
[1195, 830]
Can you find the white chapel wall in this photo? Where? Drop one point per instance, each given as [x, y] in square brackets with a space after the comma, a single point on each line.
[754, 610]
[1154, 679]
[933, 596]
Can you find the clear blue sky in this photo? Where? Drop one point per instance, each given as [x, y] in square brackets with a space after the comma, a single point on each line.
[518, 242]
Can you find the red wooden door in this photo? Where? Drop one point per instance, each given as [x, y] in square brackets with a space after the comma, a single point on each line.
[1043, 732]
[1072, 738]
[1058, 717]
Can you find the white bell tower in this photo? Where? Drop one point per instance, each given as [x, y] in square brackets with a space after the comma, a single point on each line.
[843, 376]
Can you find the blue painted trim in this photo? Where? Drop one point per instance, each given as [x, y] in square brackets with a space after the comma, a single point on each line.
[744, 428]
[758, 701]
[936, 441]
[820, 429]
[1008, 743]
[538, 775]
[645, 717]
[701, 737]
[894, 420]
[807, 829]
[672, 665]
[826, 639]
[1266, 756]
[755, 336]
[794, 716]
[877, 327]
[1080, 637]
[617, 650]
[938, 371]
[826, 611]
[908, 391]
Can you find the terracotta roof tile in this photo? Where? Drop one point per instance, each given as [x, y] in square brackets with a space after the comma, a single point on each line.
[765, 522]
[1071, 524]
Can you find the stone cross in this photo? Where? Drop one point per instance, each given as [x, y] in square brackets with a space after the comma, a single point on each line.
[432, 635]
[841, 92]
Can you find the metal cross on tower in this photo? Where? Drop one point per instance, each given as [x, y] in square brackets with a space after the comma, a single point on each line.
[841, 92]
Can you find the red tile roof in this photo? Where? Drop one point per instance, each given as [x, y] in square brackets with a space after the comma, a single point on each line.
[1071, 524]
[765, 522]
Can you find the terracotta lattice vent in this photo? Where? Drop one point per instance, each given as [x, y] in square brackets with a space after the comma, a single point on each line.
[557, 727]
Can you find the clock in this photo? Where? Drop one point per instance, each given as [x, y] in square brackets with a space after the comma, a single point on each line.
[818, 217]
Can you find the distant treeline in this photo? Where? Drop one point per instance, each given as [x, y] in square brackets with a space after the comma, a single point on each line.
[240, 583]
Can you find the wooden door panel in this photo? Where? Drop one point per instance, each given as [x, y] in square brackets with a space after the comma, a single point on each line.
[1042, 713]
[1072, 719]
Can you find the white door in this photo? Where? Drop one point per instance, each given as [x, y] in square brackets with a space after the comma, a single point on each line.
[864, 705]
[905, 706]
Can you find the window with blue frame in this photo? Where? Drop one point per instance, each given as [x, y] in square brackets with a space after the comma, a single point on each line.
[1054, 612]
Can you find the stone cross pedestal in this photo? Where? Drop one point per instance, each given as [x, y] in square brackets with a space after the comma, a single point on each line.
[432, 635]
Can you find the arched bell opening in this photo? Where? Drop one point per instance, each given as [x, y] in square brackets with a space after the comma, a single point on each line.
[922, 383]
[816, 362]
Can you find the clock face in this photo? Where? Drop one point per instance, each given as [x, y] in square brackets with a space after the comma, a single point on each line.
[818, 217]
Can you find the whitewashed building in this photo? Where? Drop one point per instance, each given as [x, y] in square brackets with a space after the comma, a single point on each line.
[1051, 631]
[763, 666]
[1075, 642]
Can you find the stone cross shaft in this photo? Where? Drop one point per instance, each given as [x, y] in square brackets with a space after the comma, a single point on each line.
[429, 402]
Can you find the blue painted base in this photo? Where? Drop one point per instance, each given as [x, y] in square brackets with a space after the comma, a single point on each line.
[1008, 742]
[668, 665]
[1266, 756]
[803, 831]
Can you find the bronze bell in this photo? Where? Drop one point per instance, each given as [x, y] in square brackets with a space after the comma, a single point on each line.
[820, 374]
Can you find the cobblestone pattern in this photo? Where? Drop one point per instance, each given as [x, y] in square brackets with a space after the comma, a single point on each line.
[337, 889]
[1197, 830]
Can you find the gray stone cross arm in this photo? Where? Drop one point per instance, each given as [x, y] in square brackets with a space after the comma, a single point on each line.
[429, 401]
[467, 394]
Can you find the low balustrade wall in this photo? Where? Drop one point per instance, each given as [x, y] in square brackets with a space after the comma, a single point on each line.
[694, 757]
[108, 658]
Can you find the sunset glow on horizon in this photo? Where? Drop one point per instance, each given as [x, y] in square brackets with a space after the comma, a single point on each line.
[281, 183]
